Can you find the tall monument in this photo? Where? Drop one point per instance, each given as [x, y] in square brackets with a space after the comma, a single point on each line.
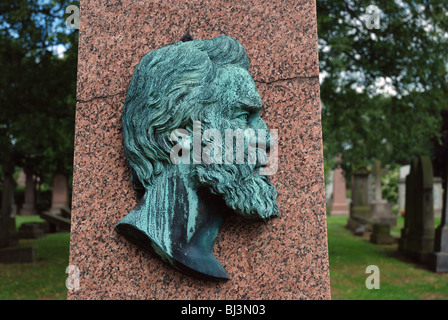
[286, 258]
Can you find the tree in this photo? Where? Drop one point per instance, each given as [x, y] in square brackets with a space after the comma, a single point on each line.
[383, 89]
[37, 92]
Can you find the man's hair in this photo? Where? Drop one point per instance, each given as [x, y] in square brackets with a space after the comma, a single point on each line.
[171, 88]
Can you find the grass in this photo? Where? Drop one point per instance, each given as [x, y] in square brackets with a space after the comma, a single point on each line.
[400, 278]
[45, 278]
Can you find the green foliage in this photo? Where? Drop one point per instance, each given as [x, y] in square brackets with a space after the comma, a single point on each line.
[384, 89]
[37, 87]
[389, 184]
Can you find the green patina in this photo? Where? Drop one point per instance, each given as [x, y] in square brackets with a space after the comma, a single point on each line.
[183, 207]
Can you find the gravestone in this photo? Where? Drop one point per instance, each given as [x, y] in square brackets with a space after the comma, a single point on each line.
[28, 207]
[59, 198]
[17, 255]
[8, 236]
[404, 171]
[31, 230]
[286, 258]
[56, 222]
[380, 209]
[437, 192]
[359, 218]
[410, 186]
[417, 236]
[339, 206]
[438, 197]
[381, 233]
[438, 260]
[9, 252]
[21, 179]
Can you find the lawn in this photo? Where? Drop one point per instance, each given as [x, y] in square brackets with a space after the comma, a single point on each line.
[45, 278]
[400, 278]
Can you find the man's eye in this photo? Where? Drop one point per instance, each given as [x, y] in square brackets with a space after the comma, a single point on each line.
[243, 117]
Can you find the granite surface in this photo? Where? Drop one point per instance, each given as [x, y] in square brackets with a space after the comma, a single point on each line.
[286, 258]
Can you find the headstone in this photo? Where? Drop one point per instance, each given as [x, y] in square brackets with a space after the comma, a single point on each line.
[31, 230]
[21, 179]
[8, 236]
[438, 260]
[380, 209]
[417, 236]
[437, 192]
[438, 197]
[56, 222]
[59, 199]
[28, 207]
[9, 252]
[381, 234]
[410, 183]
[17, 255]
[286, 258]
[339, 206]
[404, 171]
[359, 218]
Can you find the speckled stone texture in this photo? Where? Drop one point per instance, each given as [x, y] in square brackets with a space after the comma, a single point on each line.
[285, 258]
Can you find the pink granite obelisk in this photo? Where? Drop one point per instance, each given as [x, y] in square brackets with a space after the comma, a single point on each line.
[286, 258]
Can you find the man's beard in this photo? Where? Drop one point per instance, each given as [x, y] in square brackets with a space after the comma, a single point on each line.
[242, 187]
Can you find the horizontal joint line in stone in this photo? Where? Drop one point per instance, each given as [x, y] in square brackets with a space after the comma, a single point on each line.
[286, 79]
[101, 97]
[256, 81]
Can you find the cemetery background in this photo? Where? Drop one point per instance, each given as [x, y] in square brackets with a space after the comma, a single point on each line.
[376, 105]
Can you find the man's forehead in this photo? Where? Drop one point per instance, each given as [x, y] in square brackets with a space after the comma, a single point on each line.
[239, 87]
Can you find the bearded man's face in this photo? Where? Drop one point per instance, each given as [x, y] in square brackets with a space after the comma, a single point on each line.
[239, 180]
